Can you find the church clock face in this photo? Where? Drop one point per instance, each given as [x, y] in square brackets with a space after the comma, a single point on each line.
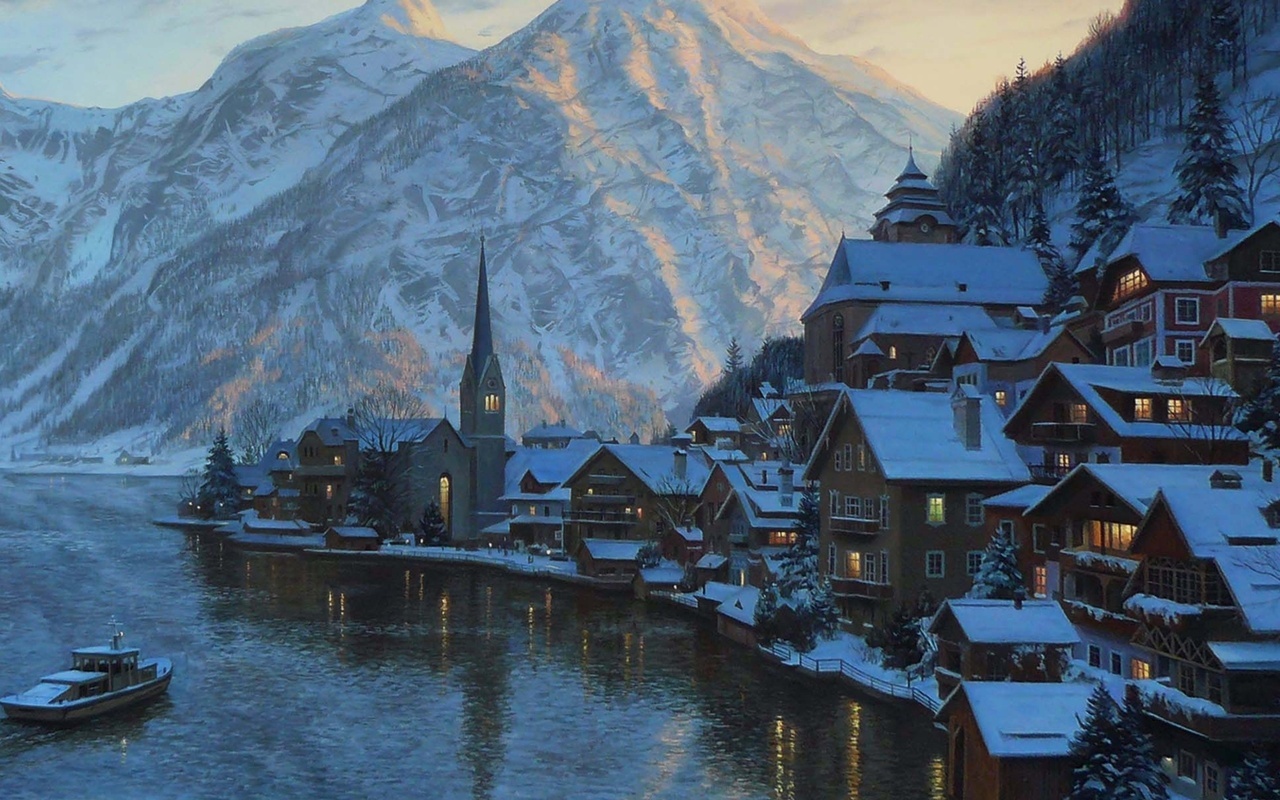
[924, 227]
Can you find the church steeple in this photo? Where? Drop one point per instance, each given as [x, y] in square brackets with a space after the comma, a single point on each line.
[482, 337]
[915, 212]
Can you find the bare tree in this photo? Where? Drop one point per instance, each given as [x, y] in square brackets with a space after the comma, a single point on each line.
[1203, 418]
[1256, 129]
[385, 417]
[677, 500]
[256, 426]
[383, 490]
[189, 489]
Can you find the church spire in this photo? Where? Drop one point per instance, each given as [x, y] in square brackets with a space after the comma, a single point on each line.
[482, 338]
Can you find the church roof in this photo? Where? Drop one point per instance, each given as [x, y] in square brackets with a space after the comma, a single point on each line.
[931, 273]
[482, 337]
[911, 170]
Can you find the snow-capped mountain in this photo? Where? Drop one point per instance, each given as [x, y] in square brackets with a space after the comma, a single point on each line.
[654, 177]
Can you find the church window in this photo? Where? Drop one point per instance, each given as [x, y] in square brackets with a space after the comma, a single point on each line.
[492, 403]
[446, 501]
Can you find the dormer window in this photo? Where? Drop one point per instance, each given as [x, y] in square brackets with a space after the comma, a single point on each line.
[1142, 409]
[1176, 410]
[283, 455]
[1130, 283]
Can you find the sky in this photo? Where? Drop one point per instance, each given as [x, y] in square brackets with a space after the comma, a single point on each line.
[111, 52]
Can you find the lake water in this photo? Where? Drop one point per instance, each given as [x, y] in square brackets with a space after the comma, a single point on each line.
[305, 678]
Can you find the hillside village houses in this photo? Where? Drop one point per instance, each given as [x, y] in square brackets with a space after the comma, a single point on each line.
[942, 404]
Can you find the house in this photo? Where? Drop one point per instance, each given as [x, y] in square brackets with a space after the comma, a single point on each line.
[1081, 413]
[127, 459]
[350, 538]
[1034, 537]
[1012, 741]
[536, 494]
[683, 544]
[901, 479]
[1206, 596]
[551, 437]
[771, 418]
[725, 432]
[609, 559]
[1238, 352]
[1027, 641]
[736, 616]
[1004, 363]
[907, 336]
[633, 492]
[327, 460]
[1161, 288]
[752, 510]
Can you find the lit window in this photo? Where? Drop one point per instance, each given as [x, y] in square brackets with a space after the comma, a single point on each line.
[1142, 409]
[1139, 670]
[853, 565]
[973, 562]
[492, 403]
[1271, 304]
[1077, 413]
[1130, 283]
[1186, 310]
[973, 510]
[1062, 461]
[1269, 261]
[1002, 398]
[328, 491]
[934, 564]
[1176, 409]
[1110, 535]
[1040, 581]
[1185, 350]
[936, 509]
[893, 352]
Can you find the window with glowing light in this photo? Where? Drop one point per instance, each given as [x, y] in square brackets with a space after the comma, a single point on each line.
[1139, 670]
[1142, 409]
[1176, 410]
[1040, 581]
[1132, 282]
[1002, 398]
[1271, 304]
[853, 565]
[446, 502]
[936, 509]
[492, 403]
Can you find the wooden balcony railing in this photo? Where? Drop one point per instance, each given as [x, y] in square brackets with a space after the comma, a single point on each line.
[855, 587]
[859, 526]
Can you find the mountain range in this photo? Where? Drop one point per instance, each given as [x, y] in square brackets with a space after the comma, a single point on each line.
[654, 177]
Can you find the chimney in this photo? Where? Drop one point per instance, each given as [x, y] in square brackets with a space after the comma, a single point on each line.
[1226, 479]
[1019, 594]
[786, 484]
[884, 286]
[635, 438]
[681, 464]
[1268, 470]
[351, 418]
[966, 412]
[1042, 322]
[1220, 224]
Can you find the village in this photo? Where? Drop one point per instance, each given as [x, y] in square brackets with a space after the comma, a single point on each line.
[1033, 512]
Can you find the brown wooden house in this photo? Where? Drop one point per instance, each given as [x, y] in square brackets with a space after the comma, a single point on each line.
[1238, 352]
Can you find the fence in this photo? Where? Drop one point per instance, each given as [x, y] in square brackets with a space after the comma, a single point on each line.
[851, 673]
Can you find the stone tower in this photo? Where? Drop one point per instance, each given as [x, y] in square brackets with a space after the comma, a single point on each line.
[482, 396]
[915, 212]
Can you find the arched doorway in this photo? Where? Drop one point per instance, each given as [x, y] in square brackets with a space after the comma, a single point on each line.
[446, 502]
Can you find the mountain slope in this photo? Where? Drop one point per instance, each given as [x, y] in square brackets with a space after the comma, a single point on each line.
[654, 176]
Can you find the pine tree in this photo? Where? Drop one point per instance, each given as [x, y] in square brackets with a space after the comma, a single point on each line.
[799, 570]
[1255, 779]
[766, 613]
[219, 490]
[1024, 192]
[375, 494]
[1100, 210]
[1261, 414]
[1140, 775]
[1207, 177]
[1062, 281]
[821, 611]
[1061, 156]
[432, 529]
[899, 638]
[982, 218]
[649, 556]
[1096, 750]
[733, 357]
[1223, 34]
[999, 577]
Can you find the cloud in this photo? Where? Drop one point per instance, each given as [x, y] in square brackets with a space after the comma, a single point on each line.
[12, 65]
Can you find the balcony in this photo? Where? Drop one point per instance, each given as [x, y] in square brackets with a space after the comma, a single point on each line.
[1130, 329]
[856, 526]
[607, 499]
[1207, 719]
[855, 587]
[600, 479]
[604, 517]
[1062, 431]
[1048, 474]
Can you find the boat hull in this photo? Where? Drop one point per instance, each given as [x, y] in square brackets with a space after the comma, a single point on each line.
[88, 708]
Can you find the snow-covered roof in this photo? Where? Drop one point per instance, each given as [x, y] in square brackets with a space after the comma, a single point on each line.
[689, 534]
[558, 431]
[1021, 498]
[867, 348]
[1247, 656]
[665, 575]
[1011, 344]
[913, 438]
[717, 592]
[354, 532]
[655, 466]
[1247, 329]
[1087, 379]
[925, 319]
[761, 501]
[717, 424]
[1024, 720]
[711, 561]
[1000, 622]
[741, 606]
[1136, 484]
[766, 407]
[547, 465]
[333, 431]
[1174, 253]
[612, 549]
[931, 273]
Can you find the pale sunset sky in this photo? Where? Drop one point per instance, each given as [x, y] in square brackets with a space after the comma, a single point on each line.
[112, 52]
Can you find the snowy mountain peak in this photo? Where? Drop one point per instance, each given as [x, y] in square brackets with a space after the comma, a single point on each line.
[411, 17]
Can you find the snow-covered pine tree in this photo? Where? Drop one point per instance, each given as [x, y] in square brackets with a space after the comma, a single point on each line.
[1062, 281]
[733, 356]
[1260, 416]
[1224, 34]
[1100, 209]
[219, 490]
[1257, 778]
[998, 577]
[766, 613]
[1024, 189]
[982, 216]
[1060, 153]
[1140, 774]
[1207, 177]
[799, 570]
[432, 529]
[1096, 750]
[822, 611]
[649, 556]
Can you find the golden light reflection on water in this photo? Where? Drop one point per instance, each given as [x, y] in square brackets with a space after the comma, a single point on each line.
[853, 755]
[124, 748]
[444, 630]
[937, 778]
[783, 754]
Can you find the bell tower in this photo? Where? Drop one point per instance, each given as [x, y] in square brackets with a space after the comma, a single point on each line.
[482, 397]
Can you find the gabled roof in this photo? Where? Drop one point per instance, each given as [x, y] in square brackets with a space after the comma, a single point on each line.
[913, 438]
[1087, 379]
[931, 273]
[1173, 253]
[551, 466]
[1023, 720]
[1012, 344]
[558, 431]
[925, 319]
[1021, 498]
[1135, 485]
[655, 466]
[612, 549]
[333, 431]
[1254, 330]
[761, 502]
[1000, 622]
[717, 424]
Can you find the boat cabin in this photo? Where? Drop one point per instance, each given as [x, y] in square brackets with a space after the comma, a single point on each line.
[117, 665]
